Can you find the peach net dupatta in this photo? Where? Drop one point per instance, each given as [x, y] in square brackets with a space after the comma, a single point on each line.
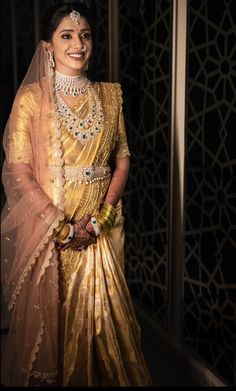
[34, 207]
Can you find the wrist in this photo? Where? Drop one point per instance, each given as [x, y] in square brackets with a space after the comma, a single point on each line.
[59, 229]
[66, 234]
[106, 217]
[96, 225]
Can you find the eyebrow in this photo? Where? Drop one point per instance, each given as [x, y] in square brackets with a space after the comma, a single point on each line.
[71, 30]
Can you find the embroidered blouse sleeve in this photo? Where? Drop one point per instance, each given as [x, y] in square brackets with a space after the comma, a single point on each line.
[121, 147]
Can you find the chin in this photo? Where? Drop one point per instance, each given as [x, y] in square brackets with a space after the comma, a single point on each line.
[79, 68]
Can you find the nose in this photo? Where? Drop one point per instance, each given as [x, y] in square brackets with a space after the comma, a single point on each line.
[78, 43]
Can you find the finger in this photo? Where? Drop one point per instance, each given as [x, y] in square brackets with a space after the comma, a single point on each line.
[84, 241]
[84, 221]
[82, 234]
[90, 229]
[62, 247]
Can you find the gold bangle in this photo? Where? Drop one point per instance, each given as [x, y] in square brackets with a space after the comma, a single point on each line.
[106, 205]
[59, 228]
[108, 208]
[107, 218]
[108, 211]
[105, 225]
[62, 235]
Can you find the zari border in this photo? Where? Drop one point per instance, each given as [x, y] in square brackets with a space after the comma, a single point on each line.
[34, 352]
[44, 377]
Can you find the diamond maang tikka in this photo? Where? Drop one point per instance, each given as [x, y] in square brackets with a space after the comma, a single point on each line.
[75, 16]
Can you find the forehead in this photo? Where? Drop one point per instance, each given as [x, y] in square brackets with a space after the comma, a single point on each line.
[68, 24]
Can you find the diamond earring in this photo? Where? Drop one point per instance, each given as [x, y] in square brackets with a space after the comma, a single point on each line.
[51, 59]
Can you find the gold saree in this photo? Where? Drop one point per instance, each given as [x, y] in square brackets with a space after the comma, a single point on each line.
[72, 318]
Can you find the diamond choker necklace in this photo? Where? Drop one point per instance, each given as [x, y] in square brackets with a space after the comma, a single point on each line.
[71, 85]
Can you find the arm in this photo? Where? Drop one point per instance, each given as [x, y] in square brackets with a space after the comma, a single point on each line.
[118, 181]
[120, 161]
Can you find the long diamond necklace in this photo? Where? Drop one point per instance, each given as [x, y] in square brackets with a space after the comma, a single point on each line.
[81, 129]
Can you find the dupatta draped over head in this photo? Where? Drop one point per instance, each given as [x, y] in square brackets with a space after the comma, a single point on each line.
[35, 204]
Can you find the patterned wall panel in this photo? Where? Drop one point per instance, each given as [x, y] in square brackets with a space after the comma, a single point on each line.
[210, 199]
[145, 68]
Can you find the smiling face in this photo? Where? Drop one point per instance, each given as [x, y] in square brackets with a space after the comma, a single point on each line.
[71, 46]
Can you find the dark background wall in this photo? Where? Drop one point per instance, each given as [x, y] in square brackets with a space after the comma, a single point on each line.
[209, 310]
[145, 75]
[208, 305]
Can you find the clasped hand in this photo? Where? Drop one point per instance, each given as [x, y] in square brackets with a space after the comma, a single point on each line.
[84, 235]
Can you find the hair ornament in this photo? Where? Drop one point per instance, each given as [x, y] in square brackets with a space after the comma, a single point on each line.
[75, 16]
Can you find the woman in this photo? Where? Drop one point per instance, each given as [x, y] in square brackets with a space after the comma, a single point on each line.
[67, 162]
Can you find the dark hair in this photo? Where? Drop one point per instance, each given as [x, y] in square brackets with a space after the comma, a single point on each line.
[58, 12]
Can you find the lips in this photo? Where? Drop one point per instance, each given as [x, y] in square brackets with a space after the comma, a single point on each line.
[76, 55]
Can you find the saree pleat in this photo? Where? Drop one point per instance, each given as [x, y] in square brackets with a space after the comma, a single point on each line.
[102, 343]
[99, 318]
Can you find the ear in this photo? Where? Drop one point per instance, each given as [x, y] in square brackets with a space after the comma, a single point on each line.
[48, 46]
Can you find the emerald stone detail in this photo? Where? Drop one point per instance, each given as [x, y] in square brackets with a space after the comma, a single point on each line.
[83, 129]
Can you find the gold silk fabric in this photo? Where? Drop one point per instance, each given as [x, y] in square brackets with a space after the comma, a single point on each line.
[72, 320]
[81, 199]
[101, 335]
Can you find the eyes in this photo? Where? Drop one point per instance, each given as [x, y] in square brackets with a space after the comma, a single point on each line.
[86, 36]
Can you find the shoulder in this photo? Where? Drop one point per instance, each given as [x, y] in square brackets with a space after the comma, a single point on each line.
[28, 93]
[113, 89]
[27, 97]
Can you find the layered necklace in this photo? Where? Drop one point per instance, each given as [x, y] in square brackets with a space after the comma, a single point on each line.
[81, 129]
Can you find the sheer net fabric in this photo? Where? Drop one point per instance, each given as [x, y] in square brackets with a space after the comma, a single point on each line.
[29, 258]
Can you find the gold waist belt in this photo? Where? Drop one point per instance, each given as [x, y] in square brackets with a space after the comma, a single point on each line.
[85, 174]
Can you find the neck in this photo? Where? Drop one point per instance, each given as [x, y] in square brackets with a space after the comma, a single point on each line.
[71, 85]
[80, 75]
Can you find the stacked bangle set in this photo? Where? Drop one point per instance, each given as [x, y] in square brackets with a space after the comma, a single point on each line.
[105, 218]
